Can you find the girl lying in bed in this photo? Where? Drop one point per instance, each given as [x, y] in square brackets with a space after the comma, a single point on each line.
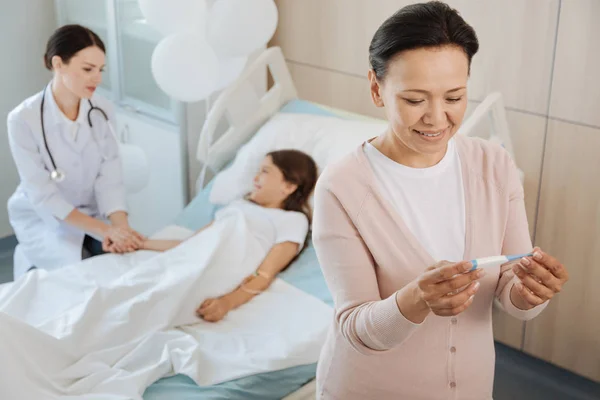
[279, 214]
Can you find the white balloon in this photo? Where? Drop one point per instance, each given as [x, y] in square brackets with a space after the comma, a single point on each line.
[171, 16]
[238, 27]
[185, 67]
[229, 70]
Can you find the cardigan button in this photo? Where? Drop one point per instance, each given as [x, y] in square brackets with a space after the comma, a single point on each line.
[452, 385]
[454, 321]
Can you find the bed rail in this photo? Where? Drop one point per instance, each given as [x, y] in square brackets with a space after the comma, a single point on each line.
[245, 108]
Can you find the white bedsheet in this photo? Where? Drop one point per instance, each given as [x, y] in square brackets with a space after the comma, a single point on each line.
[108, 327]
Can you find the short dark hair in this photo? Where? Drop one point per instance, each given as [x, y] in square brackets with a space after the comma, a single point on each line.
[422, 25]
[68, 40]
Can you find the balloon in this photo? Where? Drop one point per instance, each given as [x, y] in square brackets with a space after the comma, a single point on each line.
[229, 70]
[238, 27]
[172, 16]
[185, 67]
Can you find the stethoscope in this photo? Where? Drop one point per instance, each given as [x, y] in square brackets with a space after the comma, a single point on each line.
[56, 174]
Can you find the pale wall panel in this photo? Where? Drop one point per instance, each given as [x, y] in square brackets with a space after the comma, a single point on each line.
[516, 47]
[517, 41]
[576, 86]
[567, 333]
[334, 89]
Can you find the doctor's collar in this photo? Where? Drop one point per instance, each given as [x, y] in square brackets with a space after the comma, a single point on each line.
[58, 117]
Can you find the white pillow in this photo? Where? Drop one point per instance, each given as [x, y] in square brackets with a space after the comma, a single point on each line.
[325, 139]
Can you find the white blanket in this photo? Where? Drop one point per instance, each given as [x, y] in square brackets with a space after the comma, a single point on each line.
[108, 327]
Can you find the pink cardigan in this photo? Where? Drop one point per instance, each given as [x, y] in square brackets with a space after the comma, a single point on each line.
[367, 254]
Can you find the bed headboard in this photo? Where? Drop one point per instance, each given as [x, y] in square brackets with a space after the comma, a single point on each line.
[245, 108]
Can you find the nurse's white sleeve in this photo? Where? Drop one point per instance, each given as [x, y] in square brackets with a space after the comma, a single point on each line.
[109, 187]
[35, 176]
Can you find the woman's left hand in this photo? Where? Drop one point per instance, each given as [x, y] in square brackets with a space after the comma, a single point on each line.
[541, 276]
[213, 310]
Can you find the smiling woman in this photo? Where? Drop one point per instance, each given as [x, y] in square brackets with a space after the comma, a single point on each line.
[409, 324]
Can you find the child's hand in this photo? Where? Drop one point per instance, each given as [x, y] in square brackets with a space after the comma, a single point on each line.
[213, 310]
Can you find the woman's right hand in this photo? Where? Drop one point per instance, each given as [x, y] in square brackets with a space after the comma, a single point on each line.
[445, 289]
[122, 239]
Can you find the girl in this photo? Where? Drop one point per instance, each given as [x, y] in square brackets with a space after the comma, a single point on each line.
[111, 325]
[278, 211]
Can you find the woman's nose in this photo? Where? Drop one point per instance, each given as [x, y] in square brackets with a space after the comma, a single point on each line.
[98, 78]
[436, 115]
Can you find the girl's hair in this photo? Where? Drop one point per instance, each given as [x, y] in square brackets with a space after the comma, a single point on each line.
[423, 25]
[68, 40]
[300, 169]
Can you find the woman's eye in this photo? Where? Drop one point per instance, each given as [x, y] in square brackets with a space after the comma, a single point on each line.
[454, 99]
[413, 102]
[87, 69]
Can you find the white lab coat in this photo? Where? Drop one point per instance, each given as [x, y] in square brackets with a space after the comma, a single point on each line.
[92, 185]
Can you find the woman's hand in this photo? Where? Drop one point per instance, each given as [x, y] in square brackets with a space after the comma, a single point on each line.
[541, 276]
[122, 239]
[445, 289]
[213, 310]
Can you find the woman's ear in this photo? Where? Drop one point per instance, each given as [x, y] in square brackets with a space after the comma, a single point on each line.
[57, 62]
[375, 89]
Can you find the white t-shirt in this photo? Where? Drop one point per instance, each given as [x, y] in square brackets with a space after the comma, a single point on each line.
[430, 201]
[270, 226]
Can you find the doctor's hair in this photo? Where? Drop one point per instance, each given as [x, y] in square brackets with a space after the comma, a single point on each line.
[67, 41]
[422, 25]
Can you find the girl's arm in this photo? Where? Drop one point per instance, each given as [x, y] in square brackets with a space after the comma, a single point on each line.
[164, 245]
[213, 310]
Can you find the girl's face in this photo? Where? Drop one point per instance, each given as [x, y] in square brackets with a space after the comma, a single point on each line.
[425, 98]
[270, 187]
[83, 73]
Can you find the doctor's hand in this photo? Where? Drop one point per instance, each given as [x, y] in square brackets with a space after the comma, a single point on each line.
[122, 239]
[445, 289]
[541, 277]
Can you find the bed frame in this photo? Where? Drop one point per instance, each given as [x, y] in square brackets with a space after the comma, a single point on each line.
[245, 109]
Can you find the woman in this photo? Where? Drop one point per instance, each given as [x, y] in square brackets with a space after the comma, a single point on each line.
[408, 325]
[68, 161]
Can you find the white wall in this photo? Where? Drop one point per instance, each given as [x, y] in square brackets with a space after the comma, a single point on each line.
[24, 27]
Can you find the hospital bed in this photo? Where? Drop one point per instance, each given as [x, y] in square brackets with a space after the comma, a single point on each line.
[239, 112]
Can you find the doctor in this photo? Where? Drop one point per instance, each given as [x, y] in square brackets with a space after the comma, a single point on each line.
[71, 197]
